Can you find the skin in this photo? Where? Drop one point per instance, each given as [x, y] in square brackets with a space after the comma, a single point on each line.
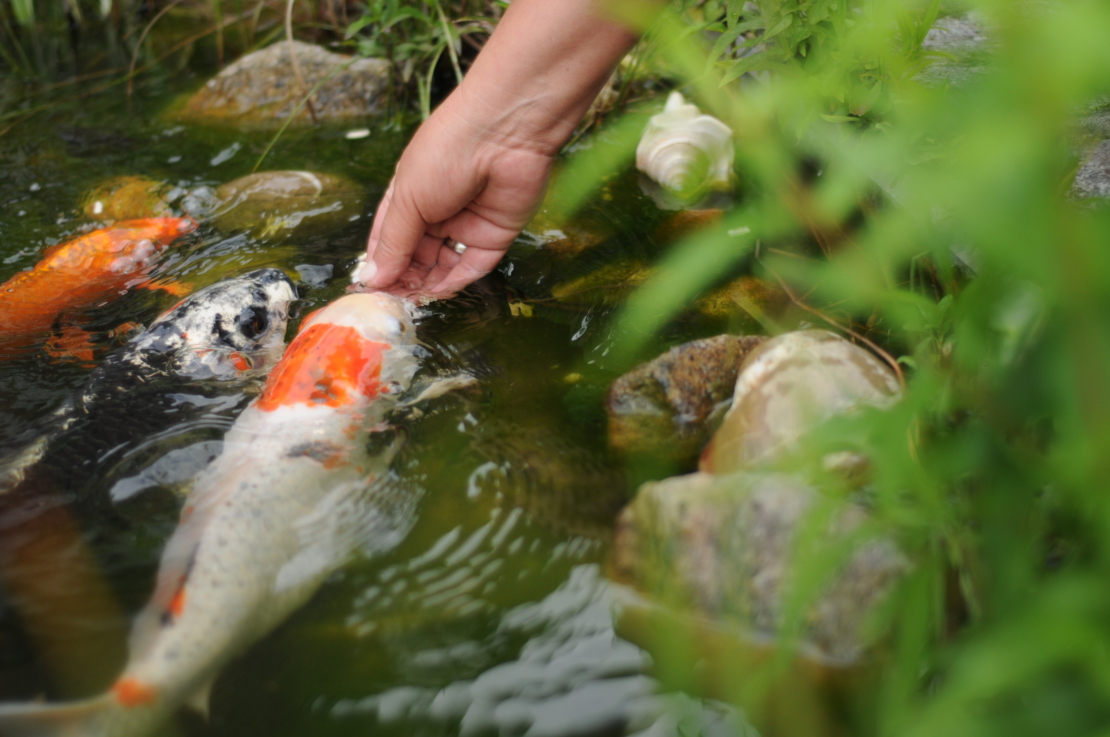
[476, 171]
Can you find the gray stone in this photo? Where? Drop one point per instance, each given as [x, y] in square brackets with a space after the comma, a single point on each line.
[1093, 179]
[724, 546]
[954, 34]
[263, 87]
[964, 41]
[787, 387]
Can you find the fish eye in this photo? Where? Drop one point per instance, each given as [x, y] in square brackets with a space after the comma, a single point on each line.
[253, 322]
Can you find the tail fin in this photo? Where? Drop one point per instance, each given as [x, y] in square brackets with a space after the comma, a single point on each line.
[102, 716]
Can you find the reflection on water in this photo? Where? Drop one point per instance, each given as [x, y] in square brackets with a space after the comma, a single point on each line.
[492, 615]
[572, 675]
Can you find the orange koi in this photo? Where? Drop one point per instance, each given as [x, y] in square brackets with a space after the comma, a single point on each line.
[81, 273]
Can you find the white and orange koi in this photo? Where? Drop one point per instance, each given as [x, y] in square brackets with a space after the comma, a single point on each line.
[263, 526]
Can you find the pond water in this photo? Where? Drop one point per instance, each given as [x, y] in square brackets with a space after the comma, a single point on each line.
[493, 614]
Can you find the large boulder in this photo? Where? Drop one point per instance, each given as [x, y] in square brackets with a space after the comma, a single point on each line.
[724, 547]
[788, 386]
[263, 87]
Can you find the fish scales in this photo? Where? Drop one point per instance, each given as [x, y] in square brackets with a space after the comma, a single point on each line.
[263, 526]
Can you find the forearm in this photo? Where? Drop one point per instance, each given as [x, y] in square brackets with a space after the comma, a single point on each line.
[540, 70]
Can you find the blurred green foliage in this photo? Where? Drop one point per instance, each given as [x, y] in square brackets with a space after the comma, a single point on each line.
[945, 233]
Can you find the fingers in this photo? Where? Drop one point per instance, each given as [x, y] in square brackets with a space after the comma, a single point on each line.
[379, 218]
[424, 259]
[401, 234]
[369, 268]
[469, 268]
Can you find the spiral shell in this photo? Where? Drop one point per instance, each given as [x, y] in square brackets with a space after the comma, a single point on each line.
[684, 150]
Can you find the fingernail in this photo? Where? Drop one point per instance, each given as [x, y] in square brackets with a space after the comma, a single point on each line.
[368, 271]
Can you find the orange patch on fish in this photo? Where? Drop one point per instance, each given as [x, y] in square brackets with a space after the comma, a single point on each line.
[326, 364]
[240, 361]
[130, 692]
[177, 603]
[84, 271]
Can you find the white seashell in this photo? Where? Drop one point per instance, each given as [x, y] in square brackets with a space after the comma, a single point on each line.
[684, 150]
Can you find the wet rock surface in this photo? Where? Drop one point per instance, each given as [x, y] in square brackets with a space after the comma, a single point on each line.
[788, 386]
[263, 86]
[665, 405]
[1093, 178]
[722, 544]
[723, 547]
[126, 198]
[289, 202]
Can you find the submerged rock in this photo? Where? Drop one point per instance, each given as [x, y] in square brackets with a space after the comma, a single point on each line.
[666, 405]
[608, 285]
[788, 386]
[723, 547]
[126, 198]
[1093, 179]
[263, 87]
[271, 202]
[746, 296]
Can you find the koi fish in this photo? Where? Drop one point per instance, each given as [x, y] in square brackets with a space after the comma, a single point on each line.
[233, 328]
[265, 522]
[80, 273]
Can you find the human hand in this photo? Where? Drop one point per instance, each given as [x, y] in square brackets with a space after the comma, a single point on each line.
[477, 169]
[461, 180]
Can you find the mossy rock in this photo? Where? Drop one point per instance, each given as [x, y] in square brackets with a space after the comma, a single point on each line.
[262, 87]
[609, 284]
[126, 198]
[667, 405]
[287, 203]
[723, 547]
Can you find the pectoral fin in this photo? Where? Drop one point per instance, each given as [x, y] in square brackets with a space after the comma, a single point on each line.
[176, 288]
[201, 698]
[71, 342]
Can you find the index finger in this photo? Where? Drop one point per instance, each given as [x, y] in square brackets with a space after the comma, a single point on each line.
[402, 228]
[379, 218]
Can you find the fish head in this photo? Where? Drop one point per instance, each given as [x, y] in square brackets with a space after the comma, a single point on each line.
[229, 329]
[377, 316]
[347, 353]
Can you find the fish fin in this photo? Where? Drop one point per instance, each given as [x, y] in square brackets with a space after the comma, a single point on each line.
[102, 716]
[441, 386]
[202, 697]
[71, 342]
[13, 468]
[175, 288]
[125, 329]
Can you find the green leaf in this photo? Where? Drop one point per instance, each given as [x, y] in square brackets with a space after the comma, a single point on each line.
[24, 12]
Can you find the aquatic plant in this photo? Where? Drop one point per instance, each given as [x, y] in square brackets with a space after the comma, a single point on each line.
[925, 211]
